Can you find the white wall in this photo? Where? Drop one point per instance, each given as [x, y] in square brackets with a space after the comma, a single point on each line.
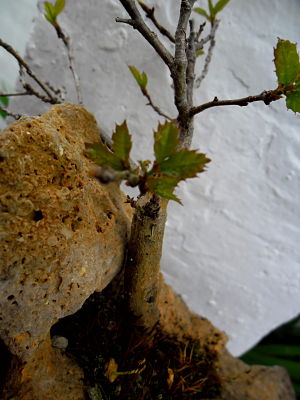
[16, 19]
[233, 250]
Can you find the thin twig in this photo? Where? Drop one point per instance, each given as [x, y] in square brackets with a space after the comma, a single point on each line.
[22, 63]
[199, 33]
[267, 97]
[155, 108]
[191, 57]
[67, 42]
[15, 94]
[208, 57]
[106, 175]
[31, 91]
[150, 14]
[138, 23]
[9, 113]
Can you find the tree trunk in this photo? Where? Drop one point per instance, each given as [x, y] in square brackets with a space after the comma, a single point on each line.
[142, 265]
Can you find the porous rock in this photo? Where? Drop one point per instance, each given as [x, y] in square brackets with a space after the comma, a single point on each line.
[62, 233]
[240, 381]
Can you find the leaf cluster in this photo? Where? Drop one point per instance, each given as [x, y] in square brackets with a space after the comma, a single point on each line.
[169, 167]
[213, 10]
[288, 73]
[53, 10]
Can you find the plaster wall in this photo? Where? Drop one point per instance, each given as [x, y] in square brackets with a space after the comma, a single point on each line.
[233, 250]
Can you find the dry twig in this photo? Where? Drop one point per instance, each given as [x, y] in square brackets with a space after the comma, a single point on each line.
[267, 97]
[149, 12]
[51, 97]
[67, 42]
[211, 39]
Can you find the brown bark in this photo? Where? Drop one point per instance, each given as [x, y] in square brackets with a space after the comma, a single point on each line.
[143, 260]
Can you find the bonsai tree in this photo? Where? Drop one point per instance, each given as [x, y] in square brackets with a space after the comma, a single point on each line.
[174, 160]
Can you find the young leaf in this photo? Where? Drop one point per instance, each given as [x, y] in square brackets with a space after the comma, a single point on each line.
[103, 156]
[293, 98]
[50, 14]
[211, 10]
[122, 143]
[5, 101]
[202, 12]
[184, 164]
[220, 5]
[141, 79]
[163, 186]
[59, 6]
[286, 62]
[165, 140]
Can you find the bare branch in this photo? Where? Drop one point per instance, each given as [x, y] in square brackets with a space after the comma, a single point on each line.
[191, 57]
[155, 108]
[51, 99]
[67, 42]
[107, 175]
[149, 12]
[208, 57]
[267, 97]
[138, 23]
[31, 91]
[179, 73]
[9, 113]
[14, 94]
[199, 33]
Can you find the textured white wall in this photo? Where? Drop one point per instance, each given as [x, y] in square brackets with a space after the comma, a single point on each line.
[233, 250]
[15, 25]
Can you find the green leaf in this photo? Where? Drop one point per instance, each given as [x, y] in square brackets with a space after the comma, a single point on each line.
[184, 164]
[202, 12]
[255, 357]
[103, 156]
[141, 79]
[59, 6]
[122, 143]
[293, 98]
[50, 14]
[279, 350]
[200, 52]
[163, 186]
[211, 9]
[5, 101]
[286, 62]
[220, 5]
[165, 140]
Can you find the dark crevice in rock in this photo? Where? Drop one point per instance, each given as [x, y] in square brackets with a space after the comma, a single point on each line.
[6, 358]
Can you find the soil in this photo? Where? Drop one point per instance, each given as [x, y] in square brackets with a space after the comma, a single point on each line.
[157, 367]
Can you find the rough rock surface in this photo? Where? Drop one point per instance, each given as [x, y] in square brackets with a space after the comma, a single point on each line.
[240, 381]
[62, 233]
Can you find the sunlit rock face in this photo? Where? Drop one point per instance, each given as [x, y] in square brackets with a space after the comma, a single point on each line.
[62, 233]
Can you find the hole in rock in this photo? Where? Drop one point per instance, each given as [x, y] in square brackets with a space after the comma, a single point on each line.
[37, 215]
[98, 228]
[93, 332]
[10, 297]
[5, 361]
